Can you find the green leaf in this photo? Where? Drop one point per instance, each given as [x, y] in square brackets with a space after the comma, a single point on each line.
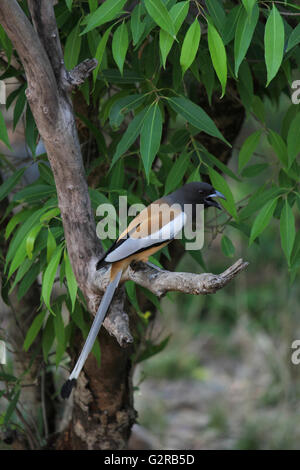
[230, 24]
[12, 96]
[258, 108]
[131, 293]
[16, 219]
[178, 13]
[151, 136]
[294, 38]
[262, 219]
[295, 256]
[71, 280]
[93, 5]
[34, 193]
[254, 170]
[24, 267]
[106, 12]
[248, 148]
[197, 256]
[293, 141]
[129, 136]
[159, 13]
[7, 377]
[49, 276]
[279, 147]
[287, 230]
[249, 4]
[6, 44]
[149, 294]
[177, 173]
[136, 24]
[190, 45]
[291, 112]
[3, 132]
[48, 337]
[19, 106]
[69, 4]
[128, 77]
[50, 215]
[212, 160]
[274, 43]
[10, 183]
[100, 52]
[122, 106]
[227, 246]
[196, 116]
[46, 173]
[34, 330]
[51, 245]
[120, 45]
[117, 176]
[93, 39]
[72, 47]
[18, 258]
[217, 13]
[30, 131]
[207, 72]
[245, 85]
[21, 233]
[218, 54]
[31, 237]
[259, 199]
[152, 349]
[11, 407]
[243, 35]
[28, 279]
[220, 184]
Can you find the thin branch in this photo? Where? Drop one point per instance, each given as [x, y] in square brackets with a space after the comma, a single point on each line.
[43, 18]
[80, 73]
[161, 282]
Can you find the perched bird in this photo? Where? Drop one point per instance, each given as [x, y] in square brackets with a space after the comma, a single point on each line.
[152, 229]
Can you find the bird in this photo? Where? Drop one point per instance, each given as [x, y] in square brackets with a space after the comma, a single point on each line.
[152, 229]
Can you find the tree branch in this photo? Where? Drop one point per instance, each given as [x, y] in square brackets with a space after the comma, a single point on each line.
[43, 18]
[160, 282]
[78, 74]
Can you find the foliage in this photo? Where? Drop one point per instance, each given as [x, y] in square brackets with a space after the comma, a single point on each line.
[148, 112]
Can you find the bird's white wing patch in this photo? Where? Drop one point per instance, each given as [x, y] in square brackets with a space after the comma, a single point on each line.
[134, 245]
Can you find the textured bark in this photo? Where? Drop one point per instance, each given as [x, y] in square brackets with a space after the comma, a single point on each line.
[103, 410]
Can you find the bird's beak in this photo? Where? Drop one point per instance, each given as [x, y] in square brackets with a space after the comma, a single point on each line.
[218, 194]
[213, 202]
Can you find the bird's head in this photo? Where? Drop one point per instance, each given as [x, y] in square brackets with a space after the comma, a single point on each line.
[198, 193]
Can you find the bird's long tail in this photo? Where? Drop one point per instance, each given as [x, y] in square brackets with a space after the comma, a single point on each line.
[98, 320]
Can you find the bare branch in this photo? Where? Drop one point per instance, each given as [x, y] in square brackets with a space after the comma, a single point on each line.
[161, 282]
[80, 73]
[42, 86]
[43, 18]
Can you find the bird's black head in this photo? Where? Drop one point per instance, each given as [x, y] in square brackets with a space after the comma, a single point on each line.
[197, 193]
